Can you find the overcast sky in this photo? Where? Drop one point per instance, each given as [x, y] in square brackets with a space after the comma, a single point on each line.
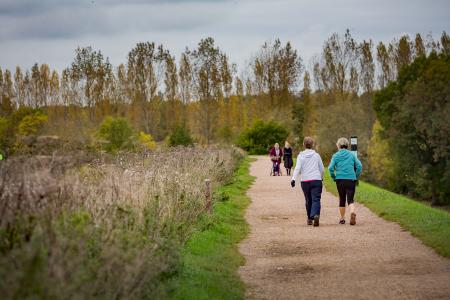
[48, 31]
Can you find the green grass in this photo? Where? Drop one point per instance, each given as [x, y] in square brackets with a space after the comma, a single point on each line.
[431, 225]
[211, 258]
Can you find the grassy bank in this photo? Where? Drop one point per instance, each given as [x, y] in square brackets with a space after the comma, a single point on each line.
[429, 224]
[210, 257]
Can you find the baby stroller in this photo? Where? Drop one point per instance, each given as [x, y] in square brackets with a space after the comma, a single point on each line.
[275, 170]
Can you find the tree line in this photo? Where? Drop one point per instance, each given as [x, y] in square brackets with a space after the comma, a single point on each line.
[202, 92]
[204, 76]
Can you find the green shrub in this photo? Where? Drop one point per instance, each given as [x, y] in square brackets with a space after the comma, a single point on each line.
[146, 141]
[261, 136]
[117, 134]
[26, 122]
[21, 113]
[31, 124]
[180, 137]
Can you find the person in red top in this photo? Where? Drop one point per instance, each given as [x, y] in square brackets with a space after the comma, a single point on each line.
[275, 156]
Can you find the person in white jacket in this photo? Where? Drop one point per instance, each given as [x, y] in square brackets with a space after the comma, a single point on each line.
[310, 168]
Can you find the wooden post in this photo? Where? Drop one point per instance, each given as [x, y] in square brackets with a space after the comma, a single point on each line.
[208, 204]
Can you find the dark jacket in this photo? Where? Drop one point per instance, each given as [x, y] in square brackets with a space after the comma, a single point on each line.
[287, 157]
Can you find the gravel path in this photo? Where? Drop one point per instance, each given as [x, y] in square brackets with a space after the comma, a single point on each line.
[286, 259]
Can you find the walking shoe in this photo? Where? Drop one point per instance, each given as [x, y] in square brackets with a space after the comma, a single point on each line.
[316, 220]
[352, 219]
[309, 222]
[342, 221]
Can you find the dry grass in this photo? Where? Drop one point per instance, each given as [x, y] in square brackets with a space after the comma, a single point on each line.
[109, 229]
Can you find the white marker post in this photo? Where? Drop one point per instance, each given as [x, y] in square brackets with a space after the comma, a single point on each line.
[354, 145]
[354, 148]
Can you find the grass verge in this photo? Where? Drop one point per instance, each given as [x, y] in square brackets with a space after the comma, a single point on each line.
[430, 225]
[210, 258]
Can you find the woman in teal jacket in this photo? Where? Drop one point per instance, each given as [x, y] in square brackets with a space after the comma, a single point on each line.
[345, 169]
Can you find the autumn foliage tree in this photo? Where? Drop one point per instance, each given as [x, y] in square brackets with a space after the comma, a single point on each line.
[211, 80]
[413, 111]
[277, 71]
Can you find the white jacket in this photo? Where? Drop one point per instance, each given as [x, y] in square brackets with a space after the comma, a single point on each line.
[309, 165]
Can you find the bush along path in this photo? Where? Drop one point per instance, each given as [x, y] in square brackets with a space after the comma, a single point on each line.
[210, 259]
[375, 259]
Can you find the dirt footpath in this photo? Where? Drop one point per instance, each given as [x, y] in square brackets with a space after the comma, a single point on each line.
[286, 259]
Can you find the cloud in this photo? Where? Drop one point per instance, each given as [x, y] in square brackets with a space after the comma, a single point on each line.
[53, 20]
[49, 30]
[22, 8]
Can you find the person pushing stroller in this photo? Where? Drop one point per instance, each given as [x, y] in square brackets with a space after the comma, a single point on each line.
[275, 155]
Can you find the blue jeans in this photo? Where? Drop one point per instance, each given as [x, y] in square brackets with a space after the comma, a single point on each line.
[313, 192]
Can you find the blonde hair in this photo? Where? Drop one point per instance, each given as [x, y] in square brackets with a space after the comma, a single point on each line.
[342, 143]
[308, 142]
[286, 144]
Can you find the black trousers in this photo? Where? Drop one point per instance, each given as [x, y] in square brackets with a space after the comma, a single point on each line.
[346, 190]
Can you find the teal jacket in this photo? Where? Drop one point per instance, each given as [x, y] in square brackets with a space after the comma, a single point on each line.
[345, 165]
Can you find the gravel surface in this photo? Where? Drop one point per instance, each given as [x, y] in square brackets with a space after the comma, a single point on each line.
[375, 259]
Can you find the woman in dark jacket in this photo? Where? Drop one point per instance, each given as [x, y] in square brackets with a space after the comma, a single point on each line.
[287, 157]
